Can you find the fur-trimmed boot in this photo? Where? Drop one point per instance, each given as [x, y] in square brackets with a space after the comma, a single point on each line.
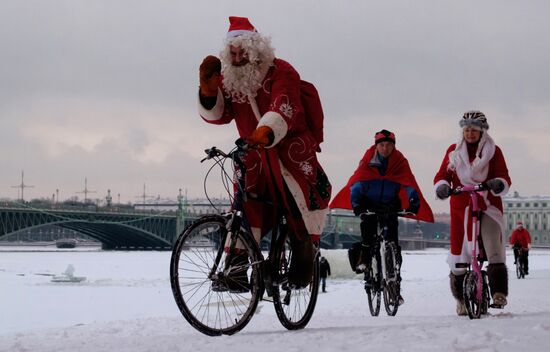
[457, 288]
[498, 283]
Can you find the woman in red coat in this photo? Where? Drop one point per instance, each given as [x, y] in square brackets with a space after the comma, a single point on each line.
[475, 159]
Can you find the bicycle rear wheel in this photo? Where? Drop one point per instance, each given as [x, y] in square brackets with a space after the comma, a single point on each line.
[392, 287]
[213, 298]
[373, 285]
[294, 306]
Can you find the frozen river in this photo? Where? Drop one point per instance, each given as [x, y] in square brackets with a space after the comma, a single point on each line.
[126, 304]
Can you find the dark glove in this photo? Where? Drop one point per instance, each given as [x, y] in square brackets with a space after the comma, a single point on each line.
[209, 76]
[358, 210]
[495, 185]
[414, 205]
[443, 191]
[261, 136]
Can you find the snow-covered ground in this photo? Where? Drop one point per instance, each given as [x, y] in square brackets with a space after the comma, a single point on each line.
[126, 304]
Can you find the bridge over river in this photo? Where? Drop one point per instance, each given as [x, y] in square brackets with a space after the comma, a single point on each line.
[141, 230]
[115, 230]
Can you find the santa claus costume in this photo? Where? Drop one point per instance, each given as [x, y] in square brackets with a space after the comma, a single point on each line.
[471, 164]
[266, 92]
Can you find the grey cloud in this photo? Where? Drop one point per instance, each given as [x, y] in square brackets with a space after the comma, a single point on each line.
[398, 63]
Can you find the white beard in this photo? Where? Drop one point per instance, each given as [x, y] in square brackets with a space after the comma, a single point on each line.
[241, 82]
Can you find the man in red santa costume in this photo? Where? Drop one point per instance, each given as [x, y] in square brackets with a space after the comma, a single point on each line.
[475, 159]
[262, 95]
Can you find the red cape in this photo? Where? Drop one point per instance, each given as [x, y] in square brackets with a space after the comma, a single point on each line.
[398, 171]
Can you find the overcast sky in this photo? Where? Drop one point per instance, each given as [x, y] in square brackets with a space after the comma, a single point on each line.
[106, 90]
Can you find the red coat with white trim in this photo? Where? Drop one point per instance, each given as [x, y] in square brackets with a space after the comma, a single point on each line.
[278, 105]
[497, 169]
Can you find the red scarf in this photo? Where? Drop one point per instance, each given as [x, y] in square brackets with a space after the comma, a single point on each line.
[398, 171]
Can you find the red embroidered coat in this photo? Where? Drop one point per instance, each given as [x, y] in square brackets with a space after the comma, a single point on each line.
[292, 154]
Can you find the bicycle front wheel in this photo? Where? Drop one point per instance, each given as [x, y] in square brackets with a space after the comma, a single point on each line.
[392, 286]
[294, 306]
[215, 293]
[474, 306]
[373, 285]
[519, 273]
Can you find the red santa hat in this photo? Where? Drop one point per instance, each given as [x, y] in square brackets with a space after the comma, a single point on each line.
[520, 223]
[239, 26]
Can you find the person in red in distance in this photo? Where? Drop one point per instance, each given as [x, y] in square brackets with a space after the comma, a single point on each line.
[262, 94]
[475, 159]
[520, 242]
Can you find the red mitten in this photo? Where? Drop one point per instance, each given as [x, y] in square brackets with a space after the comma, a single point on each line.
[261, 136]
[209, 76]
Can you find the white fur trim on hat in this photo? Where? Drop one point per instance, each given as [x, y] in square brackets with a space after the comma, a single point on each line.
[277, 124]
[216, 112]
[237, 33]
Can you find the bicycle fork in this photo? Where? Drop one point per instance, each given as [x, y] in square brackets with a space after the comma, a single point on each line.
[229, 244]
[475, 264]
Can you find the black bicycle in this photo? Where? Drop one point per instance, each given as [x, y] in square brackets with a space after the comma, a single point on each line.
[218, 273]
[519, 261]
[383, 273]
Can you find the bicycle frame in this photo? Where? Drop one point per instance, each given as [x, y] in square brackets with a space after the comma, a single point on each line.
[389, 277]
[236, 215]
[238, 220]
[382, 241]
[476, 217]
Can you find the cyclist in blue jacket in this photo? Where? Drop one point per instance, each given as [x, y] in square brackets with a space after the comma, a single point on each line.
[383, 179]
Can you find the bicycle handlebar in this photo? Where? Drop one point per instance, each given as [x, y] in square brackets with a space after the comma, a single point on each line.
[480, 187]
[402, 212]
[214, 151]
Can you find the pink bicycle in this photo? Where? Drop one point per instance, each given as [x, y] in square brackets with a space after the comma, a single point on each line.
[476, 288]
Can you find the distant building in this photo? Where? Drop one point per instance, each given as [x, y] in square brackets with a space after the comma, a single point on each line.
[533, 211]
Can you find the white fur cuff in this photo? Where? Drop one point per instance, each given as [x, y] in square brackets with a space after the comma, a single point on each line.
[505, 190]
[216, 112]
[277, 124]
[439, 183]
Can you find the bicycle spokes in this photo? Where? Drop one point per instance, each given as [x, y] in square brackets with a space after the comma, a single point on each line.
[216, 291]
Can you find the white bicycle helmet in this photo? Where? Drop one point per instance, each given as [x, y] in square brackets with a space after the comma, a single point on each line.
[474, 118]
